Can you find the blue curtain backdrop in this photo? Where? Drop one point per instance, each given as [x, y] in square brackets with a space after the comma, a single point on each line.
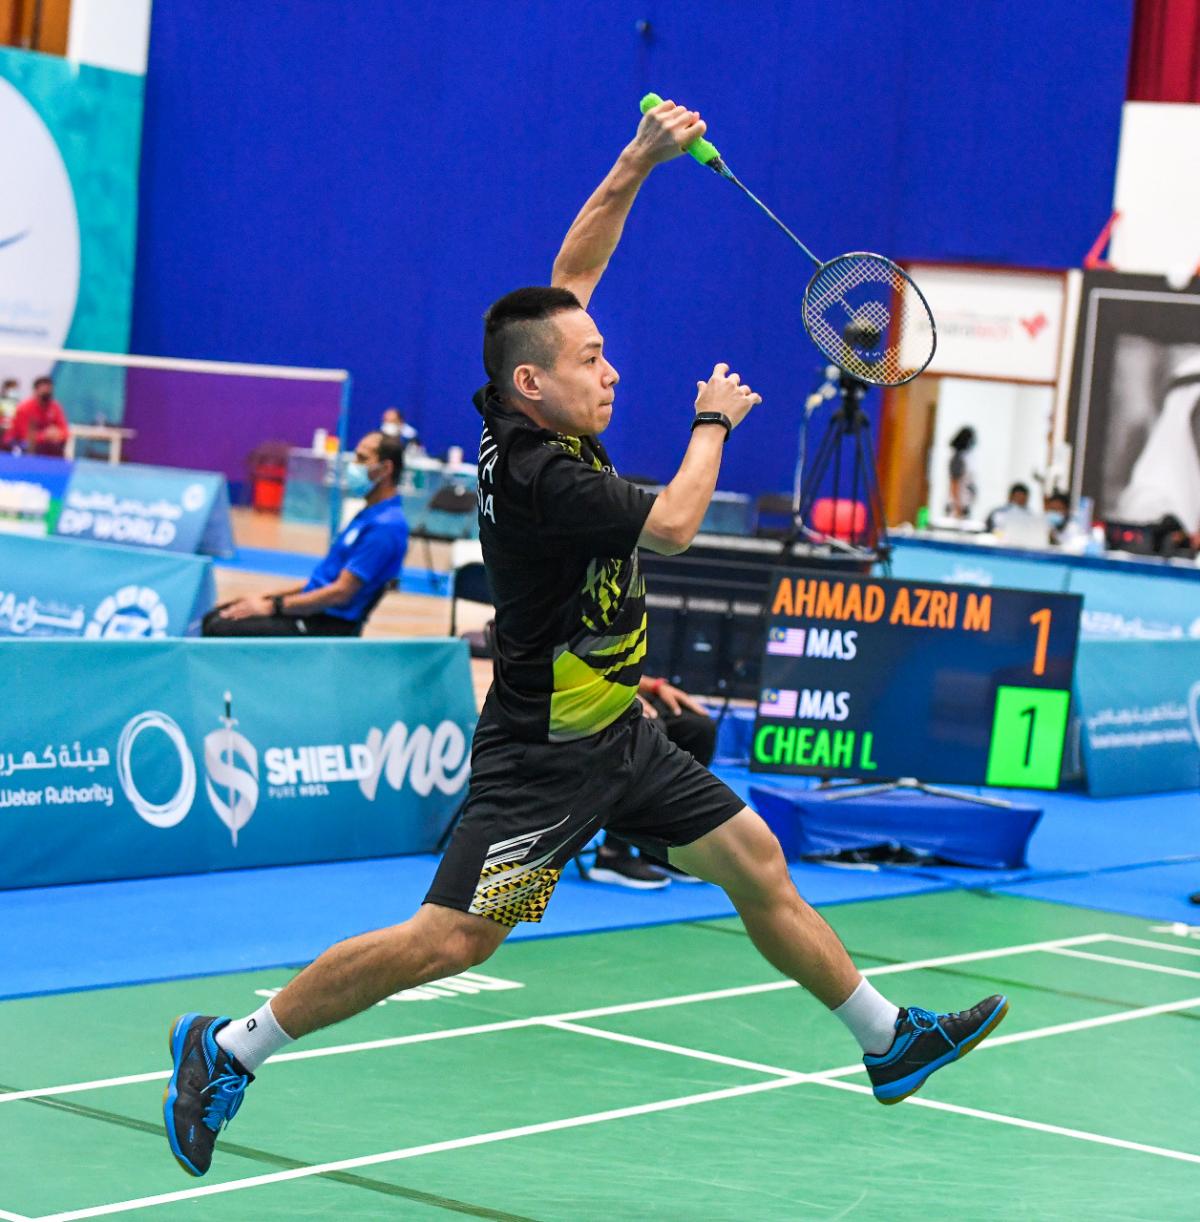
[352, 184]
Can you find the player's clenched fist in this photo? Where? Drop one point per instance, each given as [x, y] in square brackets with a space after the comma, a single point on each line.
[725, 392]
[664, 132]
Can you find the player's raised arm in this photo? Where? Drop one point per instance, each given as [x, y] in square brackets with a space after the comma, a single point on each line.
[595, 232]
[722, 403]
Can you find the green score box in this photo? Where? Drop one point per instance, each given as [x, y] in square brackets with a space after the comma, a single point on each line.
[1028, 731]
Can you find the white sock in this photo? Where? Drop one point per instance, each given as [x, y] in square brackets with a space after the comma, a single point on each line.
[254, 1038]
[870, 1017]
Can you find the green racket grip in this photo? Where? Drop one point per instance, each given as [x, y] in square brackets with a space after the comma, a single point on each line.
[703, 151]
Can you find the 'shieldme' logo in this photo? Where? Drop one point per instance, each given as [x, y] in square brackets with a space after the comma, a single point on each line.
[237, 795]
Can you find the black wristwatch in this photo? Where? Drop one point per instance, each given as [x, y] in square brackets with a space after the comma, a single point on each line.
[277, 604]
[713, 418]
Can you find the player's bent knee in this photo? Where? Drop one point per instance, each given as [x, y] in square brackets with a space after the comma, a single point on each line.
[743, 857]
[457, 940]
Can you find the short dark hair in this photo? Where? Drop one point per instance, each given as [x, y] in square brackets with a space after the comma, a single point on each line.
[391, 449]
[1058, 494]
[43, 380]
[517, 330]
[964, 439]
[1018, 487]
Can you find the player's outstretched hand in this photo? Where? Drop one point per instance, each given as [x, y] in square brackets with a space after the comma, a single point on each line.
[665, 131]
[725, 392]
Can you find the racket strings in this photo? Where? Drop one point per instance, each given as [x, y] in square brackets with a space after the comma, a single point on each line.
[858, 309]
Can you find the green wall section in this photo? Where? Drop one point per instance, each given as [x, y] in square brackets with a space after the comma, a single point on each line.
[95, 117]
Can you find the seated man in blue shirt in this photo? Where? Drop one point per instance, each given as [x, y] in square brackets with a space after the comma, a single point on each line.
[345, 586]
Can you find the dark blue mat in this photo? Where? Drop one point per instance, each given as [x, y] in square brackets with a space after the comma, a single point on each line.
[1076, 834]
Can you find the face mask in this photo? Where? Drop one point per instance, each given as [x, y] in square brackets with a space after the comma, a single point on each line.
[1056, 518]
[391, 429]
[358, 481]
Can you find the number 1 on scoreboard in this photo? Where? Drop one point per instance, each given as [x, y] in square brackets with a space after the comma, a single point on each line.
[1041, 621]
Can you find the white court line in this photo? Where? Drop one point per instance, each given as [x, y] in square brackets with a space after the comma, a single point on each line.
[784, 1077]
[637, 1041]
[1175, 950]
[1036, 1125]
[437, 1147]
[1086, 1024]
[845, 1071]
[570, 1016]
[830, 1078]
[5, 1216]
[1134, 963]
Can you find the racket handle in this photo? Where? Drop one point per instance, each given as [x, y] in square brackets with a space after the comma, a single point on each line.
[703, 151]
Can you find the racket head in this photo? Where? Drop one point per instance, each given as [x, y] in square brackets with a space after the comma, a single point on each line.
[866, 314]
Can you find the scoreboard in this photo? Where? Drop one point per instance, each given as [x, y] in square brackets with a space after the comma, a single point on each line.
[878, 679]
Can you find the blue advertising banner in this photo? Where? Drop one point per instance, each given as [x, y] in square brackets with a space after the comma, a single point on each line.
[154, 507]
[1123, 606]
[130, 759]
[1141, 715]
[31, 492]
[921, 560]
[57, 588]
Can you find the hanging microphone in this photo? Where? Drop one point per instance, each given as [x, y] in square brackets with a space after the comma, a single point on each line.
[703, 151]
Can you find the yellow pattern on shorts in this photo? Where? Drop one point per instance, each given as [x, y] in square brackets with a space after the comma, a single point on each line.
[508, 893]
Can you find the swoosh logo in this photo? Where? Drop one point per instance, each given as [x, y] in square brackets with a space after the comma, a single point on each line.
[16, 237]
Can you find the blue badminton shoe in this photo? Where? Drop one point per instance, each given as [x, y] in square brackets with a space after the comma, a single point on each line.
[924, 1042]
[204, 1093]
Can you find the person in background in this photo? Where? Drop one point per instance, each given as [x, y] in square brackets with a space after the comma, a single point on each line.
[962, 475]
[344, 588]
[687, 725]
[9, 398]
[393, 424]
[1057, 507]
[39, 425]
[1018, 496]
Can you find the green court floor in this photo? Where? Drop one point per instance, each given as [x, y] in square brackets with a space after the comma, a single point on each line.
[654, 1073]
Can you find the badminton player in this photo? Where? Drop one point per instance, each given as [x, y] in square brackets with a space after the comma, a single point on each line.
[562, 749]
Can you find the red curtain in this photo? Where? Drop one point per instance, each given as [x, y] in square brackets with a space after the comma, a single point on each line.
[1165, 60]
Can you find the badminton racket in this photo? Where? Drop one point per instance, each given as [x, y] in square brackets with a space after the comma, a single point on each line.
[863, 311]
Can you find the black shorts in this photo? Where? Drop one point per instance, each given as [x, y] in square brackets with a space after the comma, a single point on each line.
[532, 806]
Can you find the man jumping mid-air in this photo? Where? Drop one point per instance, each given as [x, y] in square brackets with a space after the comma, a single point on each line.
[562, 749]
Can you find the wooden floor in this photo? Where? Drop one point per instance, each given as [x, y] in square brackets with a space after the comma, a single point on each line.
[397, 615]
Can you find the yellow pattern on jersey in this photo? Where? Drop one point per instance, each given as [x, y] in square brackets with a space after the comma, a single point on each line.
[510, 893]
[586, 698]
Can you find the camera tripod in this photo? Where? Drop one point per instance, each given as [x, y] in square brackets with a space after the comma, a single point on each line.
[831, 470]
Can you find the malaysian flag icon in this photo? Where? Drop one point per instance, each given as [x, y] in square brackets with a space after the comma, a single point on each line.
[778, 704]
[788, 641]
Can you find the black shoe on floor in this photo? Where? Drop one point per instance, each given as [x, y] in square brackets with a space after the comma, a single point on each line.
[925, 1042]
[204, 1093]
[667, 870]
[624, 868]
